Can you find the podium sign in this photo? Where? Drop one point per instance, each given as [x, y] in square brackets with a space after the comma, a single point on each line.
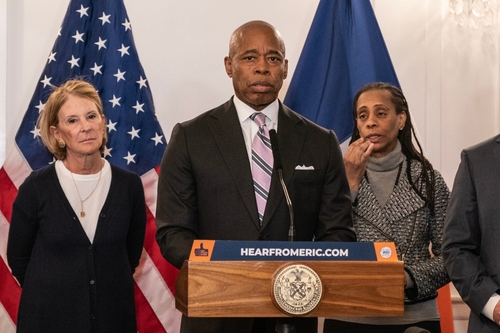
[280, 279]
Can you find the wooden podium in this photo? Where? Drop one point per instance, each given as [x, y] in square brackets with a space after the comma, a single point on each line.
[244, 288]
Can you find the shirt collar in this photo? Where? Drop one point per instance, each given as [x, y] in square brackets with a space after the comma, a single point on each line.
[244, 111]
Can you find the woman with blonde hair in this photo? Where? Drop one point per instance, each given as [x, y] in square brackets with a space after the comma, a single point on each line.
[77, 226]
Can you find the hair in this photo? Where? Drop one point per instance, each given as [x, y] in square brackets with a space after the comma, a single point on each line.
[50, 113]
[238, 33]
[406, 137]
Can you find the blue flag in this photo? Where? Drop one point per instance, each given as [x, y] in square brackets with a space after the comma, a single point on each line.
[344, 50]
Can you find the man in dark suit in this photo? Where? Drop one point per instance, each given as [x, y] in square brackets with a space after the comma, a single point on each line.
[206, 189]
[472, 234]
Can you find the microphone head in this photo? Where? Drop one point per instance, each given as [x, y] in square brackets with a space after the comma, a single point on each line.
[273, 136]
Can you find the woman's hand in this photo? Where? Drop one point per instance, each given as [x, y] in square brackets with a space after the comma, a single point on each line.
[355, 160]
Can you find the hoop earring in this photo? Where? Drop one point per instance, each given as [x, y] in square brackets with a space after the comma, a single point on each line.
[61, 144]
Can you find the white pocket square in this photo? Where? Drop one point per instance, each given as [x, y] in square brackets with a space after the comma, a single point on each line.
[303, 167]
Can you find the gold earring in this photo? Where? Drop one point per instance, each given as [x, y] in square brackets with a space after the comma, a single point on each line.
[61, 144]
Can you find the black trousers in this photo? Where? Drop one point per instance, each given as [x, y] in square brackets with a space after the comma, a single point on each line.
[245, 325]
[337, 326]
[301, 325]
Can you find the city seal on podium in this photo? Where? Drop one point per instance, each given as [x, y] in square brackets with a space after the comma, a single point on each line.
[297, 289]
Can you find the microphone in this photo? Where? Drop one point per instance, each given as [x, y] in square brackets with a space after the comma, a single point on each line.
[284, 325]
[279, 168]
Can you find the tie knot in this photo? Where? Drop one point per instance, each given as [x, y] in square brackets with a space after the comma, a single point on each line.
[259, 118]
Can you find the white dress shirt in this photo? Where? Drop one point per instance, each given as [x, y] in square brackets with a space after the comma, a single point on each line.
[249, 127]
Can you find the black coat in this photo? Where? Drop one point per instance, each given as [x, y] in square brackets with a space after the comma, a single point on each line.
[69, 284]
[205, 191]
[472, 231]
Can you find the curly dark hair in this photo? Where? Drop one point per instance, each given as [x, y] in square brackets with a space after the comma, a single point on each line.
[426, 180]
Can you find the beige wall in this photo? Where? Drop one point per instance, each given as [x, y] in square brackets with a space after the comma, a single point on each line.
[450, 74]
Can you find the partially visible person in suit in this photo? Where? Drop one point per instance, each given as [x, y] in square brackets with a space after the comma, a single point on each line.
[397, 197]
[78, 225]
[472, 234]
[206, 185]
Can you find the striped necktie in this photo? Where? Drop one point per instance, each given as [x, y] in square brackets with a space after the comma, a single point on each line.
[262, 163]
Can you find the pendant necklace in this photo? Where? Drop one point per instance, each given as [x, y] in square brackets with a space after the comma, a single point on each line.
[82, 212]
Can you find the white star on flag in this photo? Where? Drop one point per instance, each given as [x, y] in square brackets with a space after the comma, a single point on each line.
[127, 25]
[104, 18]
[111, 126]
[96, 69]
[78, 37]
[46, 81]
[74, 61]
[115, 101]
[107, 152]
[35, 132]
[130, 158]
[134, 133]
[124, 50]
[101, 43]
[142, 83]
[52, 57]
[83, 11]
[138, 107]
[119, 75]
[157, 139]
[40, 106]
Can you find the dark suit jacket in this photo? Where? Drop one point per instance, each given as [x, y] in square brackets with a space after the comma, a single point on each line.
[205, 188]
[472, 230]
[69, 284]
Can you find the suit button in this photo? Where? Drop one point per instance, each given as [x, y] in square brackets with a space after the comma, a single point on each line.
[92, 281]
[262, 236]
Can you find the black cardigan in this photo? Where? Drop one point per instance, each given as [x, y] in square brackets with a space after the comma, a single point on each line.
[69, 284]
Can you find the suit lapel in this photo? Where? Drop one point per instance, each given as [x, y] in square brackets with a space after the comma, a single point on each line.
[226, 130]
[291, 136]
[496, 154]
[402, 202]
[369, 208]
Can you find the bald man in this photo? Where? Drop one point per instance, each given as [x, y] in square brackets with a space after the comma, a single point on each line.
[206, 188]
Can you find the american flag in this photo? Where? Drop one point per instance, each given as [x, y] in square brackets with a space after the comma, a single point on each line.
[95, 43]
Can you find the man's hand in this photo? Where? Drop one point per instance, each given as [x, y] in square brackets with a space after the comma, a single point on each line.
[496, 314]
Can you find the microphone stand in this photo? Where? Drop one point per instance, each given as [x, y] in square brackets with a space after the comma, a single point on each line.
[283, 325]
[291, 230]
[279, 168]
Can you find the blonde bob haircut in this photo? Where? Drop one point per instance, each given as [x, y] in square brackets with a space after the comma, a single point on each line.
[50, 114]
